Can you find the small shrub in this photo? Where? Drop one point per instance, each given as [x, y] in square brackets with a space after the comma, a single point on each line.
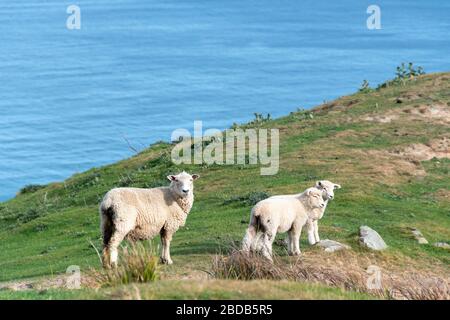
[31, 188]
[160, 143]
[125, 181]
[82, 181]
[234, 126]
[155, 183]
[41, 227]
[301, 114]
[403, 73]
[250, 199]
[136, 265]
[259, 118]
[255, 197]
[28, 216]
[365, 87]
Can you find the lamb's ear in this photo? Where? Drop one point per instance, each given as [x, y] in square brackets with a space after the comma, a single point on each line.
[171, 178]
[308, 192]
[195, 176]
[337, 186]
[318, 184]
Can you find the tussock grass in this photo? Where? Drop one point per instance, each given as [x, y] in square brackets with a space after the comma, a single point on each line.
[137, 264]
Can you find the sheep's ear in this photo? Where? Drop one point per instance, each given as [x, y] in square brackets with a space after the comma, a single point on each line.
[337, 186]
[318, 184]
[308, 192]
[171, 178]
[195, 176]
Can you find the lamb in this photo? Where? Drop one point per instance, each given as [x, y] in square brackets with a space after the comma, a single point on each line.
[327, 188]
[281, 214]
[139, 214]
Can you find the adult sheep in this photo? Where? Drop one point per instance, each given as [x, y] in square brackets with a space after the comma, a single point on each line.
[327, 188]
[139, 214]
[281, 214]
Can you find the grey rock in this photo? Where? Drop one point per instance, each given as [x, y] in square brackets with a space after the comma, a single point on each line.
[371, 239]
[422, 240]
[443, 245]
[331, 245]
[419, 236]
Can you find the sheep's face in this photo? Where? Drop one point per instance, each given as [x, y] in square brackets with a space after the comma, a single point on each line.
[315, 198]
[327, 188]
[183, 183]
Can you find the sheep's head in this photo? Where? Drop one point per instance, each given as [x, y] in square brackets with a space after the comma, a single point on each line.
[183, 183]
[315, 198]
[327, 188]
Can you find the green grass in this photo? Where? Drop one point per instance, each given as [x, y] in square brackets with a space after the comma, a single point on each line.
[45, 230]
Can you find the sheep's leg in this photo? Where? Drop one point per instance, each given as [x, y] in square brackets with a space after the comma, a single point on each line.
[106, 257]
[257, 244]
[268, 238]
[311, 235]
[296, 235]
[166, 238]
[316, 231]
[249, 239]
[290, 242]
[112, 248]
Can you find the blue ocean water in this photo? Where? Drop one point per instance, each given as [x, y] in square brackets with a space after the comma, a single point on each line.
[137, 70]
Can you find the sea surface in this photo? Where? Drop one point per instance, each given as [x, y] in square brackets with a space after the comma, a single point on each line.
[136, 70]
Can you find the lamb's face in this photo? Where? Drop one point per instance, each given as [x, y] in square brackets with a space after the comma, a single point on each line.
[327, 188]
[183, 183]
[315, 198]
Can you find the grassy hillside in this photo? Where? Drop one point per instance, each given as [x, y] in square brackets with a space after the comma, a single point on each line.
[389, 149]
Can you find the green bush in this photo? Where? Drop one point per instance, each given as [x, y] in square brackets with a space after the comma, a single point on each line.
[31, 188]
[250, 199]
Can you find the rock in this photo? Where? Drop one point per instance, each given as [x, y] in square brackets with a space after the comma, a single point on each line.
[371, 239]
[332, 246]
[418, 236]
[443, 245]
[422, 240]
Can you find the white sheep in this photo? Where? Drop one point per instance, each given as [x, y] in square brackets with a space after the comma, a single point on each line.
[327, 188]
[281, 214]
[139, 214]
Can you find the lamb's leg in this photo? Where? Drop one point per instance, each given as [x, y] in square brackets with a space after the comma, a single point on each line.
[316, 231]
[311, 236]
[296, 235]
[257, 244]
[105, 257]
[290, 243]
[249, 239]
[268, 238]
[166, 238]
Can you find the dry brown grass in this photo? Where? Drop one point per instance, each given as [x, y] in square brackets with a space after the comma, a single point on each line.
[346, 271]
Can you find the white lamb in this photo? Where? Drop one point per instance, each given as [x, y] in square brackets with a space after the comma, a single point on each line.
[139, 214]
[327, 188]
[281, 214]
